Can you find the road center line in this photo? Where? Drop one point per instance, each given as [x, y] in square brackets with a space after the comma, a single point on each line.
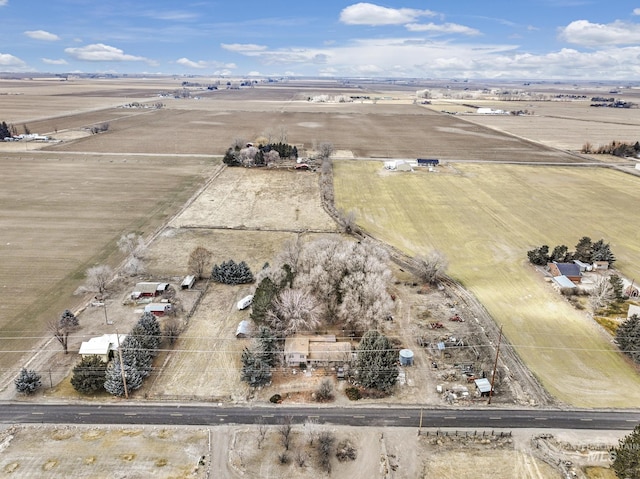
[495, 418]
[130, 414]
[540, 418]
[449, 417]
[358, 417]
[176, 414]
[38, 413]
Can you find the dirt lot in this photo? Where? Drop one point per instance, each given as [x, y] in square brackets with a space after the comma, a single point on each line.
[234, 451]
[485, 218]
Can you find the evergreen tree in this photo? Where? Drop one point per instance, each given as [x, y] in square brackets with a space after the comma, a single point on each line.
[255, 370]
[377, 362]
[136, 355]
[583, 250]
[628, 337]
[148, 332]
[27, 381]
[113, 378]
[266, 345]
[601, 251]
[626, 456]
[617, 285]
[231, 158]
[539, 256]
[230, 272]
[263, 298]
[89, 375]
[560, 253]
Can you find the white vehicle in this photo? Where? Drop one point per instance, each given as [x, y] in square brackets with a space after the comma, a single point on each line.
[245, 302]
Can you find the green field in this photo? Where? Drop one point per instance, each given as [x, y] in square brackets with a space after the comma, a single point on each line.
[485, 218]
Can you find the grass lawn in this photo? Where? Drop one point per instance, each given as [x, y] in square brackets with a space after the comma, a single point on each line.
[485, 218]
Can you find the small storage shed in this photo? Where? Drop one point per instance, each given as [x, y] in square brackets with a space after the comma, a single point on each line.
[406, 357]
[244, 329]
[158, 309]
[101, 346]
[484, 386]
[188, 282]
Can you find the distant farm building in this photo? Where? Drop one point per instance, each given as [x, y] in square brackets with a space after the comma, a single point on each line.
[570, 270]
[428, 162]
[601, 265]
[158, 309]
[148, 290]
[398, 165]
[406, 357]
[101, 346]
[490, 111]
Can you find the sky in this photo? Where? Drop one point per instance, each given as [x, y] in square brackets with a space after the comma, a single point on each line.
[464, 39]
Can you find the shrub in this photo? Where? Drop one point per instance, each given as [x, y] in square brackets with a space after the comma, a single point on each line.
[275, 399]
[353, 393]
[345, 451]
[324, 391]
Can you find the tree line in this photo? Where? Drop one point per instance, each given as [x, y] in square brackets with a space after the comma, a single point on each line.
[261, 155]
[585, 251]
[615, 148]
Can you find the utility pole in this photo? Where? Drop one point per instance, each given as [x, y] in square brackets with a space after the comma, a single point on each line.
[495, 366]
[420, 427]
[124, 375]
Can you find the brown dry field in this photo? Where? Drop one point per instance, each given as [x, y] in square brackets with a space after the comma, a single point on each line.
[61, 214]
[136, 452]
[388, 128]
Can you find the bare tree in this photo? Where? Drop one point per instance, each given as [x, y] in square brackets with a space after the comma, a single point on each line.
[238, 143]
[347, 221]
[602, 294]
[172, 329]
[271, 157]
[199, 261]
[262, 431]
[301, 458]
[324, 391]
[290, 253]
[134, 266]
[61, 328]
[311, 429]
[132, 244]
[431, 267]
[282, 133]
[294, 310]
[285, 433]
[98, 278]
[349, 279]
[326, 440]
[325, 149]
[248, 155]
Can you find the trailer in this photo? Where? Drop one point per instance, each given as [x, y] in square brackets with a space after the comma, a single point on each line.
[245, 302]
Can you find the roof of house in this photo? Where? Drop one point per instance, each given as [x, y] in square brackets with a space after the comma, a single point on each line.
[568, 269]
[102, 344]
[563, 281]
[297, 344]
[188, 280]
[329, 352]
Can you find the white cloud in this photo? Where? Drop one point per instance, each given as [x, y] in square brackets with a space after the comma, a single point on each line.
[4, 2]
[99, 52]
[203, 64]
[171, 15]
[243, 47]
[371, 14]
[42, 35]
[636, 11]
[12, 63]
[443, 28]
[191, 64]
[583, 32]
[50, 61]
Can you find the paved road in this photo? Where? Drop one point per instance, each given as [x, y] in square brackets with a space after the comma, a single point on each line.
[211, 415]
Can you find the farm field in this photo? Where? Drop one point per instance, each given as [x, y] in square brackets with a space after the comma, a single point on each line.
[485, 218]
[61, 214]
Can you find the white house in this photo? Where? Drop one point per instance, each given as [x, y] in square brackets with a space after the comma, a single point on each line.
[101, 346]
